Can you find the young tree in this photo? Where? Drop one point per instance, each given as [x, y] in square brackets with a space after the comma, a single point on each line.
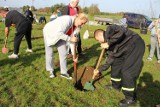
[93, 9]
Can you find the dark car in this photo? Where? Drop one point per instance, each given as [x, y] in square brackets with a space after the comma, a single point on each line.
[135, 20]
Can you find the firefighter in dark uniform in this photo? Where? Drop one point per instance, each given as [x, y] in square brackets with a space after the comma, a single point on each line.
[125, 50]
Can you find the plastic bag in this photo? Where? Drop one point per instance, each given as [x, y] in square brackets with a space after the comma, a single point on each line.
[86, 34]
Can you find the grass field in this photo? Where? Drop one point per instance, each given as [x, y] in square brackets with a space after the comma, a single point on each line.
[24, 82]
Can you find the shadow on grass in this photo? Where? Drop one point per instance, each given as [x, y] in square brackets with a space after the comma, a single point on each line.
[25, 60]
[148, 91]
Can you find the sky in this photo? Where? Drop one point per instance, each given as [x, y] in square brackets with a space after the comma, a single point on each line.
[150, 8]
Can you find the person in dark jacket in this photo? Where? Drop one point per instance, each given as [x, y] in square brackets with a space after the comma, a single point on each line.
[23, 27]
[29, 15]
[72, 9]
[125, 50]
[42, 19]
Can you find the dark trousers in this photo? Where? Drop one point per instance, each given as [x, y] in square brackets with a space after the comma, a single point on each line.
[24, 29]
[79, 48]
[42, 19]
[126, 69]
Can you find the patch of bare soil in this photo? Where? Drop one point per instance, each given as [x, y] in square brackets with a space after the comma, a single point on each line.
[84, 75]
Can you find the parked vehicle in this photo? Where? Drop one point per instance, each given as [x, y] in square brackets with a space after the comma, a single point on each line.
[105, 21]
[135, 20]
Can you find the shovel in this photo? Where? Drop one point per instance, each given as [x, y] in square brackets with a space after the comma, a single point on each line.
[5, 49]
[75, 63]
[89, 85]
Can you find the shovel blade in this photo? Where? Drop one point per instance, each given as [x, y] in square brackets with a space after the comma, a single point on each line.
[4, 50]
[89, 86]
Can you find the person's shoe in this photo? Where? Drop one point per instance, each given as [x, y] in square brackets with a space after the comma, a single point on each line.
[13, 56]
[51, 74]
[66, 76]
[29, 50]
[111, 87]
[158, 61]
[127, 102]
[149, 59]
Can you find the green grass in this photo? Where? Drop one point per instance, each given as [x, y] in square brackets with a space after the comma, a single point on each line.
[25, 82]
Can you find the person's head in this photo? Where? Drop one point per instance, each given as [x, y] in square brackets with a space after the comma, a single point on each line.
[3, 12]
[125, 16]
[57, 10]
[74, 3]
[98, 35]
[80, 19]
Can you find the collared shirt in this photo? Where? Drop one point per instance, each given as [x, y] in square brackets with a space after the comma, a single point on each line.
[56, 30]
[152, 27]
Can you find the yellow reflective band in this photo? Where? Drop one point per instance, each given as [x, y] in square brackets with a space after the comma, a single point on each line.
[128, 89]
[116, 79]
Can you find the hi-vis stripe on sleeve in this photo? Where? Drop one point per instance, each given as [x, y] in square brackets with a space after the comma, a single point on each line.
[116, 79]
[127, 89]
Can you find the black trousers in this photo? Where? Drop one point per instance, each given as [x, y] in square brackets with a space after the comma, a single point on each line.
[24, 29]
[42, 19]
[126, 69]
[79, 48]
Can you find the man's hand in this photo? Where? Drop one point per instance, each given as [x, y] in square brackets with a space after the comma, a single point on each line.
[75, 59]
[104, 45]
[96, 73]
[73, 39]
[13, 25]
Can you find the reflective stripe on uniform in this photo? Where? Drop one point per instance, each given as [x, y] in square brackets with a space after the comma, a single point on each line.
[116, 79]
[127, 89]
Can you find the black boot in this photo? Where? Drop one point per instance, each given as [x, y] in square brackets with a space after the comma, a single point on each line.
[111, 87]
[127, 102]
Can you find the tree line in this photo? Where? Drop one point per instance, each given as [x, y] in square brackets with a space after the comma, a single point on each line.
[93, 9]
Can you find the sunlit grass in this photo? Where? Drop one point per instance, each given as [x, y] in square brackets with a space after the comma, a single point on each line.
[25, 82]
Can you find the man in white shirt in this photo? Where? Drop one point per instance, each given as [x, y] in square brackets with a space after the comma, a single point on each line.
[55, 35]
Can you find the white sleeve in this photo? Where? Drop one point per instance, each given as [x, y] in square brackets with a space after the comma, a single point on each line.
[71, 45]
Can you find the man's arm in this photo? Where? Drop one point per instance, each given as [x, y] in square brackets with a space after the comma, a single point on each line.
[6, 30]
[108, 63]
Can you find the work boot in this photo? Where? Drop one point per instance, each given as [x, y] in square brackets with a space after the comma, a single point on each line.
[127, 102]
[111, 87]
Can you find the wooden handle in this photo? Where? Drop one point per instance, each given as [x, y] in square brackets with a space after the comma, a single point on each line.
[99, 60]
[75, 64]
[5, 41]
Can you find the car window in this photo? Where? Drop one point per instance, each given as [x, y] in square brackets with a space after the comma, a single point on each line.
[149, 19]
[134, 16]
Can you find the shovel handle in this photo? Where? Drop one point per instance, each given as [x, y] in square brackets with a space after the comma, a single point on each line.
[99, 60]
[75, 64]
[5, 41]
